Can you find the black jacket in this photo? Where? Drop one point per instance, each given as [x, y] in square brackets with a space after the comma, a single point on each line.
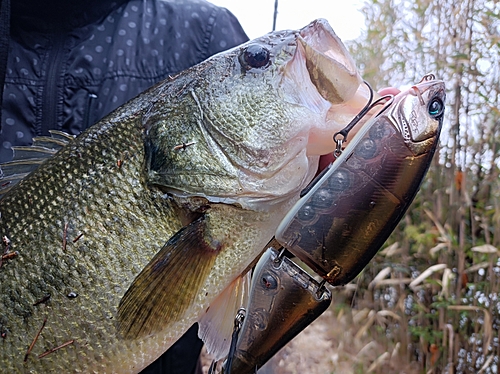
[71, 62]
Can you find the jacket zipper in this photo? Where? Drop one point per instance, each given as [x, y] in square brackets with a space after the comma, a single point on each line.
[51, 94]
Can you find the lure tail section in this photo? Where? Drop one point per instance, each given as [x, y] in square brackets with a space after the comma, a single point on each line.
[284, 300]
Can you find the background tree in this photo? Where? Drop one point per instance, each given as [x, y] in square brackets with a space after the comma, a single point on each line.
[450, 321]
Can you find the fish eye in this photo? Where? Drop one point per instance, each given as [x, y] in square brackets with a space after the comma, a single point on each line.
[254, 56]
[436, 107]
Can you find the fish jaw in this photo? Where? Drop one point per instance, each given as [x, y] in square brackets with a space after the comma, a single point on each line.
[331, 69]
[323, 77]
[335, 76]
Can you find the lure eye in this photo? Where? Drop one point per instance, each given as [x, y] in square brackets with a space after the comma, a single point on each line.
[436, 107]
[254, 56]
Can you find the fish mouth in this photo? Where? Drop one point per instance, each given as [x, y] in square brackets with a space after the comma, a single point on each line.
[330, 67]
[335, 76]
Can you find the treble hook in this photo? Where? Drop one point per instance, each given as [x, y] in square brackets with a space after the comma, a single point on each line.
[238, 322]
[369, 106]
[321, 289]
[213, 367]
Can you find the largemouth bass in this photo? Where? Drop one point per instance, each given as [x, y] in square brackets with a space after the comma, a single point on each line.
[127, 236]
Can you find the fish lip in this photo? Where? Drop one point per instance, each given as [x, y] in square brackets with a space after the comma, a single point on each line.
[331, 68]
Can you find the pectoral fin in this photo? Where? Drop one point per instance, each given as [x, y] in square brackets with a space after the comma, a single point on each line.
[168, 285]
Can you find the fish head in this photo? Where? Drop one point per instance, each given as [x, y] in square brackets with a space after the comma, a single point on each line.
[257, 118]
[418, 114]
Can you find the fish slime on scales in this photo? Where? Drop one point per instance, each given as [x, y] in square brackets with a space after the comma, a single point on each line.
[172, 197]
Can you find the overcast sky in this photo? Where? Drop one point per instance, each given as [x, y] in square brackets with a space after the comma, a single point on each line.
[256, 16]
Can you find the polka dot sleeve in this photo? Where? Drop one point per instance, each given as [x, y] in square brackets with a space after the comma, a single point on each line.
[226, 32]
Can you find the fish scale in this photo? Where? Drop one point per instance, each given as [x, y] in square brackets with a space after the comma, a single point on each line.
[79, 266]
